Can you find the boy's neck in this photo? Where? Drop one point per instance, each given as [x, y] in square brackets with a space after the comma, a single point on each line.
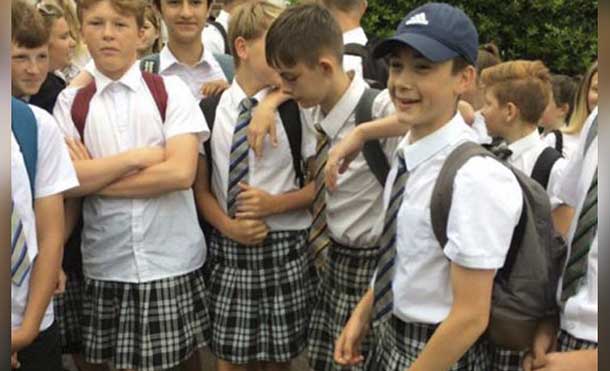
[342, 81]
[186, 53]
[519, 131]
[248, 83]
[346, 22]
[421, 131]
[556, 126]
[116, 75]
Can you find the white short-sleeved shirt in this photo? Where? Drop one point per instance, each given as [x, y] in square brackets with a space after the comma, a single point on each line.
[526, 152]
[143, 239]
[353, 62]
[579, 317]
[479, 229]
[212, 38]
[355, 208]
[206, 70]
[570, 142]
[54, 175]
[274, 172]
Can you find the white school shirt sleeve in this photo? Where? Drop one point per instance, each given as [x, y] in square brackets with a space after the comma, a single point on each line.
[62, 113]
[486, 206]
[54, 170]
[183, 115]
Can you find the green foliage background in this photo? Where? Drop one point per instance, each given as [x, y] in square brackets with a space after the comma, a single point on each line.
[562, 33]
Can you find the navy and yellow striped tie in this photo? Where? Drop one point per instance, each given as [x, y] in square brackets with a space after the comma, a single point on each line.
[576, 268]
[384, 298]
[20, 261]
[238, 166]
[318, 235]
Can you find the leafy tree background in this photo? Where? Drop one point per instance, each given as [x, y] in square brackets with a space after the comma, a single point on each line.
[561, 33]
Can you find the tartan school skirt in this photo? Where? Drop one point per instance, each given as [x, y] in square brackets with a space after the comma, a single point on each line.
[506, 360]
[399, 344]
[67, 308]
[260, 297]
[568, 343]
[153, 325]
[345, 279]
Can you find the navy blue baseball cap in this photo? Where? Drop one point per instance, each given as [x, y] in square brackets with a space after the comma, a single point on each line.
[436, 30]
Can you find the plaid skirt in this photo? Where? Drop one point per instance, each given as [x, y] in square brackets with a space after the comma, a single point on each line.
[67, 308]
[260, 297]
[346, 278]
[506, 360]
[568, 343]
[399, 344]
[145, 326]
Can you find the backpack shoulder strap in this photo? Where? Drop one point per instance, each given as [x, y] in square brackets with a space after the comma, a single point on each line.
[291, 120]
[372, 150]
[558, 140]
[150, 63]
[25, 130]
[543, 166]
[226, 63]
[223, 33]
[356, 49]
[442, 193]
[591, 135]
[80, 107]
[208, 106]
[156, 86]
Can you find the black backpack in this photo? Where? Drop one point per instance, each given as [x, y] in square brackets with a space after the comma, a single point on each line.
[543, 166]
[223, 33]
[558, 140]
[374, 71]
[525, 287]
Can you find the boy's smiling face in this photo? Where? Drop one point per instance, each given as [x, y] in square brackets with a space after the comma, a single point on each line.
[425, 93]
[112, 38]
[29, 67]
[184, 19]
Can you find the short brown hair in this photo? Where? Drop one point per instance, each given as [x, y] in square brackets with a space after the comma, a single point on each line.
[526, 84]
[342, 5]
[250, 21]
[301, 35]
[157, 4]
[564, 90]
[50, 13]
[28, 28]
[130, 7]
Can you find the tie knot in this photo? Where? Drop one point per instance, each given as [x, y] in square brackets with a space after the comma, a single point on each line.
[247, 104]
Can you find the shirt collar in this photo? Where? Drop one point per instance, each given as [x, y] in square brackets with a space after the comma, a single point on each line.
[425, 148]
[341, 112]
[522, 145]
[168, 59]
[131, 78]
[355, 35]
[237, 94]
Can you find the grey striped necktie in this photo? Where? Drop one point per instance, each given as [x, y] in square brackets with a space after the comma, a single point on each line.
[238, 165]
[384, 297]
[318, 236]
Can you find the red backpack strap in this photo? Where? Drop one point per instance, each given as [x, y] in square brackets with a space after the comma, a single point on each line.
[80, 107]
[157, 89]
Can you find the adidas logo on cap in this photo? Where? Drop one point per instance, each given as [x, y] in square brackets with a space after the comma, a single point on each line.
[418, 19]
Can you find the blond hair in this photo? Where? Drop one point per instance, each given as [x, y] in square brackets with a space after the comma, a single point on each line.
[581, 103]
[250, 21]
[134, 8]
[526, 84]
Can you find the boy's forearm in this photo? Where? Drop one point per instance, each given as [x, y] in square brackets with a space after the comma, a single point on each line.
[206, 202]
[95, 174]
[562, 218]
[385, 127]
[44, 274]
[295, 200]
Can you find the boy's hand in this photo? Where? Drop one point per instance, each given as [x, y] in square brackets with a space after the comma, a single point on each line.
[215, 87]
[21, 337]
[543, 343]
[248, 232]
[77, 150]
[584, 360]
[340, 156]
[14, 361]
[347, 346]
[467, 111]
[61, 283]
[263, 121]
[254, 203]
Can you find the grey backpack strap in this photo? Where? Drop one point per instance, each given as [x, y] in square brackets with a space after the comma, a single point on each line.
[592, 134]
[226, 63]
[372, 150]
[442, 194]
[150, 63]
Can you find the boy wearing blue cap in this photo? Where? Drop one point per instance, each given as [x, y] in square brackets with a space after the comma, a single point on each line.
[430, 303]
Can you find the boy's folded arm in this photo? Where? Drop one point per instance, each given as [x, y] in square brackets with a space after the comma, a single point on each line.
[466, 322]
[175, 173]
[45, 268]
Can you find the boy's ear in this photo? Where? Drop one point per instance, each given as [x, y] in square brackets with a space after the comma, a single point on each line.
[326, 65]
[564, 108]
[240, 48]
[467, 80]
[512, 112]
